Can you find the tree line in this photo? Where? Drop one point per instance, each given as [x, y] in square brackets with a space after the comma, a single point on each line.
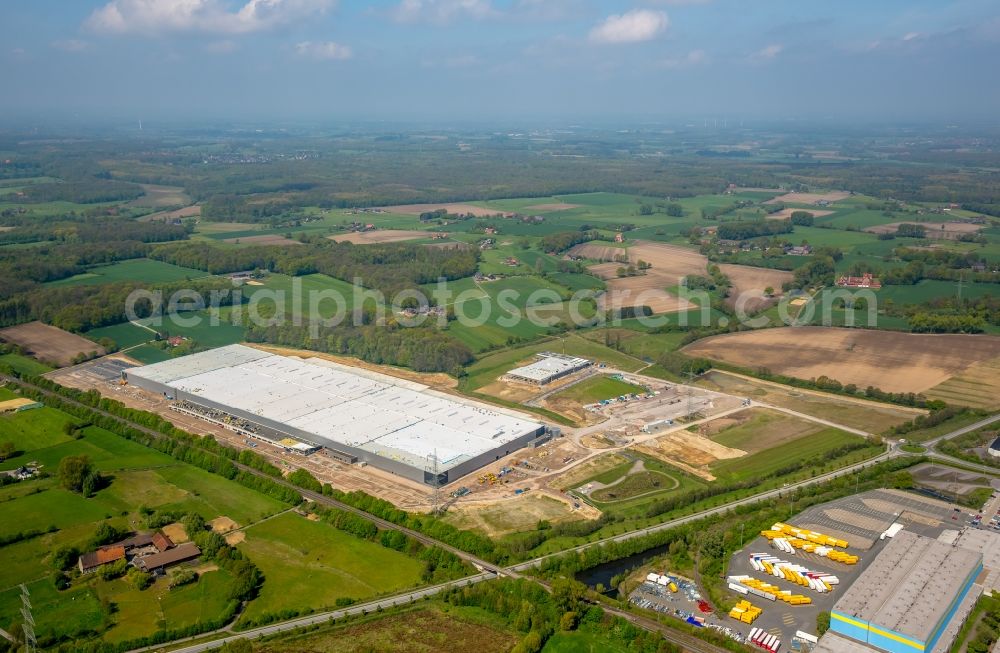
[753, 229]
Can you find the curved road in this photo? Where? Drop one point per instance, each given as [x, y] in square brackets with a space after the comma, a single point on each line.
[490, 571]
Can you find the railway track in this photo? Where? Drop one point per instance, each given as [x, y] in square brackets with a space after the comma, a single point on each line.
[490, 570]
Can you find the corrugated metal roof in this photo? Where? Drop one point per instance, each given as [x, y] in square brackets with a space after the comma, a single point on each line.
[549, 365]
[831, 642]
[377, 413]
[910, 584]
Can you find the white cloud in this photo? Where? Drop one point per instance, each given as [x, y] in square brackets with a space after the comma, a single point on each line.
[912, 35]
[692, 58]
[441, 11]
[768, 52]
[71, 45]
[326, 50]
[631, 27]
[150, 16]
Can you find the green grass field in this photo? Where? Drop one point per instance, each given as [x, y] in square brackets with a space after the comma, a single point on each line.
[424, 628]
[76, 611]
[175, 608]
[308, 288]
[632, 492]
[518, 309]
[812, 448]
[31, 431]
[140, 269]
[636, 485]
[598, 388]
[492, 366]
[79, 611]
[211, 330]
[310, 564]
[574, 281]
[928, 290]
[645, 346]
[24, 364]
[580, 641]
[125, 334]
[137, 477]
[764, 429]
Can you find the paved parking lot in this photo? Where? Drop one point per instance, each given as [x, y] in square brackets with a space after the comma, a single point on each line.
[860, 520]
[683, 604]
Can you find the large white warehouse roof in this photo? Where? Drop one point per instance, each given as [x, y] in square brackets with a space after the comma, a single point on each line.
[549, 366]
[393, 418]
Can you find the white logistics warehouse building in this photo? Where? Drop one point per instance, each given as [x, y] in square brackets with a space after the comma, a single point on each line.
[392, 424]
[547, 368]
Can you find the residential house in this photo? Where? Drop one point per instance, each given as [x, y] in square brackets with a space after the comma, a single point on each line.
[864, 281]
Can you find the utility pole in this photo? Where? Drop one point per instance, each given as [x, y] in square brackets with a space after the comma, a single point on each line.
[30, 643]
[959, 287]
[691, 377]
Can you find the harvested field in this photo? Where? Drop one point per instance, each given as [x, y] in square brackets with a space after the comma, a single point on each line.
[375, 237]
[596, 251]
[265, 239]
[749, 284]
[670, 265]
[452, 207]
[935, 230]
[49, 343]
[977, 386]
[810, 198]
[689, 452]
[160, 196]
[669, 260]
[510, 515]
[785, 214]
[223, 524]
[854, 413]
[758, 429]
[177, 214]
[175, 532]
[646, 290]
[223, 227]
[235, 537]
[918, 361]
[553, 206]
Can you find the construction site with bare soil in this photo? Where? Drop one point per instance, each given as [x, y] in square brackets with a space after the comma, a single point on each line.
[637, 438]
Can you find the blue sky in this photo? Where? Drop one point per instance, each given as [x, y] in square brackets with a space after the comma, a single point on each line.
[487, 60]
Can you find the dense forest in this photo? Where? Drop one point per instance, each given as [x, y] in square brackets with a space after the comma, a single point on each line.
[424, 349]
[387, 268]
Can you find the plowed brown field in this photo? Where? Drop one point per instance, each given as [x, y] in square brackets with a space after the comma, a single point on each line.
[892, 361]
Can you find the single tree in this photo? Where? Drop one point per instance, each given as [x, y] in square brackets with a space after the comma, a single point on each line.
[73, 472]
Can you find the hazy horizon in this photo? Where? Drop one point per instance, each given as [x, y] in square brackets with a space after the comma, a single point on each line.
[511, 61]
